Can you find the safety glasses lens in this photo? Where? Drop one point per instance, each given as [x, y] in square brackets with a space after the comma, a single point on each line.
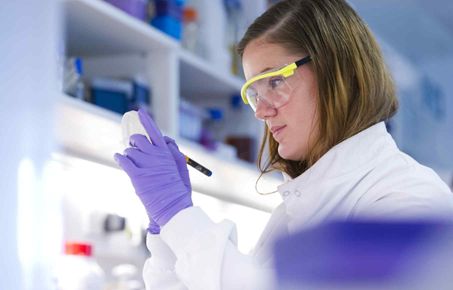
[273, 91]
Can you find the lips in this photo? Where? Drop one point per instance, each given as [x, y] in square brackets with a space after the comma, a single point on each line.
[276, 130]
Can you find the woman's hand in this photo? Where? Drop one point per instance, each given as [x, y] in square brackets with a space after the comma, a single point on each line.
[180, 159]
[158, 172]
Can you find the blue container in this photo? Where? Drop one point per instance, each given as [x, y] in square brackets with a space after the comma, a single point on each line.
[113, 101]
[114, 95]
[168, 25]
[141, 96]
[168, 8]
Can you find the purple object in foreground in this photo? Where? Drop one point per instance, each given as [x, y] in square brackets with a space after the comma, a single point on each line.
[365, 255]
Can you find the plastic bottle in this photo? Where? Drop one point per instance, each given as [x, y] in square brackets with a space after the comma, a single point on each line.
[212, 23]
[211, 129]
[215, 123]
[80, 86]
[190, 30]
[234, 31]
[77, 269]
[72, 83]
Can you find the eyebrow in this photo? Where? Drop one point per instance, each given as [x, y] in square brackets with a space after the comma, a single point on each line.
[262, 71]
[266, 69]
[271, 68]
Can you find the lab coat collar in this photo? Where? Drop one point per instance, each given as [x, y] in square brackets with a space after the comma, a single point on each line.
[358, 152]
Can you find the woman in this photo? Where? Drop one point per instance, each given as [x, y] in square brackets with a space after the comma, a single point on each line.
[317, 79]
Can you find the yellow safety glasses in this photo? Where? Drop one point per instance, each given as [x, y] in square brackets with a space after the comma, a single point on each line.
[271, 87]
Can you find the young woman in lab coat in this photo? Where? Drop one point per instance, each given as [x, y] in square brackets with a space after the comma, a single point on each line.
[317, 79]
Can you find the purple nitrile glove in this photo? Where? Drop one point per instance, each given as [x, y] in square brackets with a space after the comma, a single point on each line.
[180, 159]
[154, 169]
[180, 162]
[153, 227]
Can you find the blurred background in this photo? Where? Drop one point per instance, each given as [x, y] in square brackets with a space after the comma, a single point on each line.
[69, 69]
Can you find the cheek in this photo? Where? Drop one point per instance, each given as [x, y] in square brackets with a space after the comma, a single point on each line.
[309, 124]
[303, 118]
[303, 111]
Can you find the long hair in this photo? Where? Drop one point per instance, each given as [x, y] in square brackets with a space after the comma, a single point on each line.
[355, 89]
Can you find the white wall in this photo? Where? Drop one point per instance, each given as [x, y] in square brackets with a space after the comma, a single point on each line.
[28, 207]
[424, 122]
[438, 112]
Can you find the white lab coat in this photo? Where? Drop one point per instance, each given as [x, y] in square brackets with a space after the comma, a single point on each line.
[365, 176]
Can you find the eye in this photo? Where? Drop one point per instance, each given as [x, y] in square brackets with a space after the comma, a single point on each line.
[251, 92]
[274, 82]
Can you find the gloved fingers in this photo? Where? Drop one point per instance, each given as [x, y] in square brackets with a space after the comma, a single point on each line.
[169, 140]
[151, 128]
[141, 142]
[139, 158]
[181, 163]
[177, 155]
[174, 149]
[156, 159]
[124, 162]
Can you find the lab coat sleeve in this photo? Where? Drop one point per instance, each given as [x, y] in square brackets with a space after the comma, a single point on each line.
[159, 269]
[207, 256]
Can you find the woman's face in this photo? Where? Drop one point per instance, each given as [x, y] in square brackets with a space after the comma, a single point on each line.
[294, 125]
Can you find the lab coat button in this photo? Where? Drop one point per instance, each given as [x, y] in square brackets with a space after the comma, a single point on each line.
[286, 193]
[297, 193]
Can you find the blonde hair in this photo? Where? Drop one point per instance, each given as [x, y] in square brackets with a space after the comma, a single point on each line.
[355, 89]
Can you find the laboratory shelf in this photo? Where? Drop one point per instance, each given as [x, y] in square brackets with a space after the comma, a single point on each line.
[200, 79]
[94, 27]
[93, 133]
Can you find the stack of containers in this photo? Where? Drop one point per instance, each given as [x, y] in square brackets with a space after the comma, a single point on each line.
[111, 94]
[120, 95]
[168, 17]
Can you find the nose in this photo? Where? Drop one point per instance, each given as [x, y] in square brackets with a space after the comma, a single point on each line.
[264, 110]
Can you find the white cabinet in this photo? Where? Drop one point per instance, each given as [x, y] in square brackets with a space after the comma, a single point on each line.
[95, 28]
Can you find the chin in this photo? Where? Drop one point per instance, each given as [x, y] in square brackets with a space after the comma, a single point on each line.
[287, 153]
